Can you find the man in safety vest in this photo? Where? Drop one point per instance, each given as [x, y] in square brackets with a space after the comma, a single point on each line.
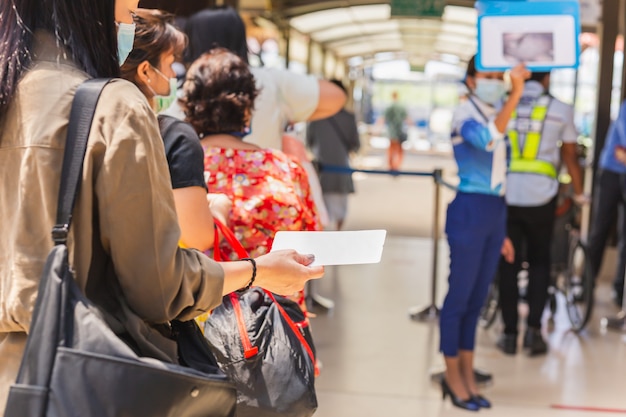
[542, 135]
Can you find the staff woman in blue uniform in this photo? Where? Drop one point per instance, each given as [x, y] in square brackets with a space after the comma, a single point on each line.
[476, 222]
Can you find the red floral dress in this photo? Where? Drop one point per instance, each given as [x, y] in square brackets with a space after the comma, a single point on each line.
[269, 190]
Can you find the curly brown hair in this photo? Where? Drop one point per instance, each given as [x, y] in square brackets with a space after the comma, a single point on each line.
[219, 93]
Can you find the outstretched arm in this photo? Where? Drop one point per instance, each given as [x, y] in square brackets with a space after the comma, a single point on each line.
[519, 74]
[331, 100]
[281, 272]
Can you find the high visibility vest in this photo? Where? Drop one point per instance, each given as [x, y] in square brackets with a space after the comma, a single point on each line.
[529, 128]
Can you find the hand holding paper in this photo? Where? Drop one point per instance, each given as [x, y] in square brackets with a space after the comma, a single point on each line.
[335, 248]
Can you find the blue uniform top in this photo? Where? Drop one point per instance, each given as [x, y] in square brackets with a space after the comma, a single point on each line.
[615, 138]
[479, 149]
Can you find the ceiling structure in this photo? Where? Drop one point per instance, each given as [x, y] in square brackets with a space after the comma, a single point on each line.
[363, 28]
[370, 29]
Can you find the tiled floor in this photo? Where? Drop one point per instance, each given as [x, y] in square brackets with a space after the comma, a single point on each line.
[377, 362]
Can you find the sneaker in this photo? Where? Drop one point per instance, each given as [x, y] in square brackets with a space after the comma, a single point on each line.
[533, 341]
[507, 343]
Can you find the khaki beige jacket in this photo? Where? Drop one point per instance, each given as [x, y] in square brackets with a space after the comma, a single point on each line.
[123, 239]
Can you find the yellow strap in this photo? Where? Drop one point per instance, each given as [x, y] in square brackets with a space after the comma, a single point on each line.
[525, 160]
[514, 140]
[531, 145]
[533, 166]
[539, 113]
[532, 140]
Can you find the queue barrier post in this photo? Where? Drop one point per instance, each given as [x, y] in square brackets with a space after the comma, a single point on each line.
[431, 312]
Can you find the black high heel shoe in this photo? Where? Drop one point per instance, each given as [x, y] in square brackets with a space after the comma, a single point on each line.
[481, 401]
[456, 401]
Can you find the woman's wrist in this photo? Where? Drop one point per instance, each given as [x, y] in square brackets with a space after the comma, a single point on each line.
[252, 275]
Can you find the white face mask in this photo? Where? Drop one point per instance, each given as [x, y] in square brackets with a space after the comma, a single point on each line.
[490, 91]
[163, 102]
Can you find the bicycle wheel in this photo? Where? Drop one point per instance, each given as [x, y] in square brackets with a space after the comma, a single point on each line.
[578, 285]
[489, 312]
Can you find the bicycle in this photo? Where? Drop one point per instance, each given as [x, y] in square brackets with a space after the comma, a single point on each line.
[571, 273]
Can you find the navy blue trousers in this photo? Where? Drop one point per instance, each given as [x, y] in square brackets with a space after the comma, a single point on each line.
[609, 202]
[476, 227]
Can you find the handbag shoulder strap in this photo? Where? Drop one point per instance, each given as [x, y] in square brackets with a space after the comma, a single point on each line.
[230, 237]
[81, 117]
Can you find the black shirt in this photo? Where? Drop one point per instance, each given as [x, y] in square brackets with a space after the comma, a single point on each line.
[185, 156]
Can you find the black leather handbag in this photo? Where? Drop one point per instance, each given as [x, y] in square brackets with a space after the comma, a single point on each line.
[74, 365]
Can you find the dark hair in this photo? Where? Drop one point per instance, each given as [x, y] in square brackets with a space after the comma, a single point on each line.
[219, 93]
[85, 28]
[213, 28]
[339, 84]
[539, 76]
[155, 35]
[471, 67]
[178, 8]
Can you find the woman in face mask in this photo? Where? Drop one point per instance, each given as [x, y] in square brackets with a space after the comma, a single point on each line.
[124, 235]
[488, 87]
[475, 223]
[157, 43]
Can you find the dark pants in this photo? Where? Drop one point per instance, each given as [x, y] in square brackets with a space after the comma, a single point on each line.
[529, 228]
[608, 200]
[475, 226]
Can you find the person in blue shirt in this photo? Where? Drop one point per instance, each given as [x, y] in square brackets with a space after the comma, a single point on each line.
[609, 199]
[475, 222]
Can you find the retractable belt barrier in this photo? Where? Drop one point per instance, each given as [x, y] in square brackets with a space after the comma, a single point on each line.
[431, 311]
[347, 170]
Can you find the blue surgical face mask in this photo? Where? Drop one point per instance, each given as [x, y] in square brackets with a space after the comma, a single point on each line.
[490, 91]
[125, 40]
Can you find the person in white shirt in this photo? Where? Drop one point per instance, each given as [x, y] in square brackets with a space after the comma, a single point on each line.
[285, 97]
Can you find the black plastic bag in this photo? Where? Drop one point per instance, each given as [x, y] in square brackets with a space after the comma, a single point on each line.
[270, 360]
